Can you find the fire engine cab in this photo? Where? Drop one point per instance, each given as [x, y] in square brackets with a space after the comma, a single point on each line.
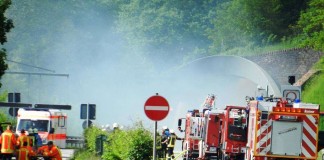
[234, 133]
[279, 129]
[49, 120]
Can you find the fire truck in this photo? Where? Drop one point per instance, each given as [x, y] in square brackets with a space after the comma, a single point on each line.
[194, 123]
[49, 120]
[214, 133]
[234, 133]
[279, 129]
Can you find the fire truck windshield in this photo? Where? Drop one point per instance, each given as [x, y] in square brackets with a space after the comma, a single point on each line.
[237, 133]
[41, 125]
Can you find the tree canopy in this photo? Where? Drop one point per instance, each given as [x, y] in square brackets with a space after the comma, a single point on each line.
[5, 26]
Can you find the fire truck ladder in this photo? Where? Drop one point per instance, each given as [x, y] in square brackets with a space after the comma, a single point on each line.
[264, 130]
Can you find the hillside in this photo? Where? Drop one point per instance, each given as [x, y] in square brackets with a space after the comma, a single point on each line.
[313, 89]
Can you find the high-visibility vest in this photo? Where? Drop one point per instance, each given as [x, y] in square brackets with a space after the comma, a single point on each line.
[55, 153]
[172, 139]
[8, 142]
[23, 138]
[32, 139]
[22, 154]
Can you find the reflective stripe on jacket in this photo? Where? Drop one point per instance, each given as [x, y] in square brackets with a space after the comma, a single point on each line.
[172, 139]
[8, 142]
[23, 138]
[25, 152]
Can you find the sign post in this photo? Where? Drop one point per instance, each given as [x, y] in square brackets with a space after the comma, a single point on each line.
[156, 108]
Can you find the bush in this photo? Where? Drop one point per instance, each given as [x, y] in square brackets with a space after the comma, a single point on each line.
[134, 143]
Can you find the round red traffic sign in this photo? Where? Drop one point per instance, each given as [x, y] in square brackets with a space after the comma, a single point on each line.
[156, 108]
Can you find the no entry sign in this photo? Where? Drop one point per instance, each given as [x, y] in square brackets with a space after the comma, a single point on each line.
[156, 108]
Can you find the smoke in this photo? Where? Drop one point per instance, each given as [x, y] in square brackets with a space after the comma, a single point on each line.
[103, 70]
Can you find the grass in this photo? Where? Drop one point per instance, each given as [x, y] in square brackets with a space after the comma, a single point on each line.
[313, 89]
[83, 154]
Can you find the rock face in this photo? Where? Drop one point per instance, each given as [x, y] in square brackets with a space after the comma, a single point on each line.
[293, 62]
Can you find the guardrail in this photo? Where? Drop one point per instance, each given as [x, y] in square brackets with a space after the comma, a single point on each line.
[74, 142]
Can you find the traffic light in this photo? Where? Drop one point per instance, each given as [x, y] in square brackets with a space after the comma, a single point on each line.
[13, 97]
[92, 112]
[83, 111]
[291, 80]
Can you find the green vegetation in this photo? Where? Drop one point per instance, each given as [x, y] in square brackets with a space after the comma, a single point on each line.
[5, 26]
[133, 143]
[313, 90]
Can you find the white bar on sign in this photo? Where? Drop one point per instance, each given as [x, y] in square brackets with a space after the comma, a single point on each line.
[157, 108]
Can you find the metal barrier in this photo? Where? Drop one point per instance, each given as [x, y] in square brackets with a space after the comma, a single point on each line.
[74, 142]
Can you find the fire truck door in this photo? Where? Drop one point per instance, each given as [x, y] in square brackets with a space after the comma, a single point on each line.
[286, 138]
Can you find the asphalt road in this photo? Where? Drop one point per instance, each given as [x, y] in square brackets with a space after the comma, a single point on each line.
[67, 153]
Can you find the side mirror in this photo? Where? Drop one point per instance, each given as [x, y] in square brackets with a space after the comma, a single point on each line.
[179, 125]
[52, 130]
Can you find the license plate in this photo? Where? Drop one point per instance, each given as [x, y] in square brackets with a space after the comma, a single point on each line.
[212, 149]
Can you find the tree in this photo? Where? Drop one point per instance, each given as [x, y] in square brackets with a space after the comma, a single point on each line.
[5, 26]
[166, 31]
[250, 23]
[310, 26]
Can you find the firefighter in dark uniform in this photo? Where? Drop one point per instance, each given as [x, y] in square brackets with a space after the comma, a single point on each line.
[164, 143]
[171, 143]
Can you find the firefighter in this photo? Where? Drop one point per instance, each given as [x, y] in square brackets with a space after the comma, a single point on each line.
[38, 140]
[164, 141]
[43, 150]
[8, 142]
[171, 143]
[23, 138]
[31, 135]
[25, 152]
[53, 151]
[239, 118]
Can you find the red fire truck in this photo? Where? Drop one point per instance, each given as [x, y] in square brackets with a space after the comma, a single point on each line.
[215, 133]
[193, 133]
[234, 133]
[278, 129]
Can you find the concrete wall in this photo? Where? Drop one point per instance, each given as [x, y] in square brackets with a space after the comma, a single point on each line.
[293, 62]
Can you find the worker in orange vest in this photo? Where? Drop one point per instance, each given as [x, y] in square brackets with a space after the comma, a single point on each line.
[8, 143]
[25, 152]
[23, 138]
[53, 151]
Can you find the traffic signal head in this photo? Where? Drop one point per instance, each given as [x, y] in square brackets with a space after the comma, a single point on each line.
[92, 111]
[83, 111]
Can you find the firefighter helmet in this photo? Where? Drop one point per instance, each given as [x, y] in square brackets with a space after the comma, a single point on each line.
[30, 130]
[115, 125]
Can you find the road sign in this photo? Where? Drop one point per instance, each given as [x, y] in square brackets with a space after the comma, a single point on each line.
[85, 123]
[156, 108]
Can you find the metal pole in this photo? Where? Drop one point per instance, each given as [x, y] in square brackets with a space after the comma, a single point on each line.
[87, 115]
[154, 144]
